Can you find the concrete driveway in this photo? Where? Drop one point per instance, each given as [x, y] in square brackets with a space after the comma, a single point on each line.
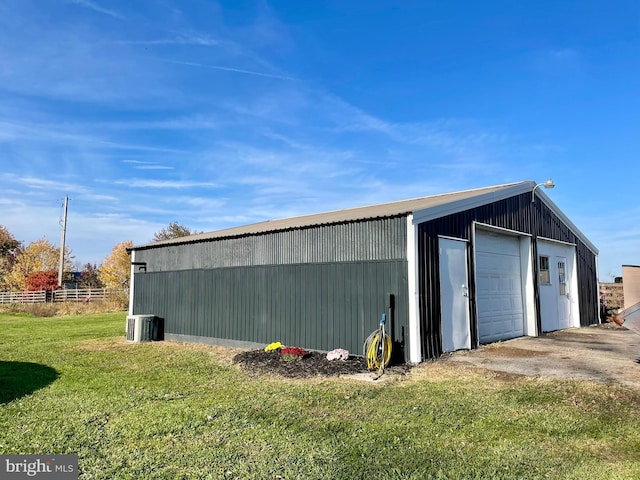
[604, 353]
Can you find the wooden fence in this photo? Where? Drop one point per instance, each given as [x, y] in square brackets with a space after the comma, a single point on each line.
[71, 295]
[23, 297]
[80, 295]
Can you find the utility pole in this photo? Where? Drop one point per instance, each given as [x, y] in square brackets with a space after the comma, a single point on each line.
[64, 232]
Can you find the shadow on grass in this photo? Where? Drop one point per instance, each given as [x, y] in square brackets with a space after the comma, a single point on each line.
[18, 379]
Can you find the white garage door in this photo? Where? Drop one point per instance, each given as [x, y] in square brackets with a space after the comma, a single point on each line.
[499, 287]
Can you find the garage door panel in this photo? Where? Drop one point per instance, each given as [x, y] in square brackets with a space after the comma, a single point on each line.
[501, 329]
[500, 305]
[499, 287]
[492, 243]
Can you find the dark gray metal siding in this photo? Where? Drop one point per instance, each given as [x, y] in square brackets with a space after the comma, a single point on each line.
[377, 239]
[548, 225]
[315, 306]
[516, 213]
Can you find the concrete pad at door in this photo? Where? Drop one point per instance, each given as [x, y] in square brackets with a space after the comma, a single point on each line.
[604, 353]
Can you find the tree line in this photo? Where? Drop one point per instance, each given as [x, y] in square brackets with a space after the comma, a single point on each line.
[35, 266]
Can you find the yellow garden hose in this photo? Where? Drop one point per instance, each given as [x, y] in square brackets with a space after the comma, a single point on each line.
[378, 354]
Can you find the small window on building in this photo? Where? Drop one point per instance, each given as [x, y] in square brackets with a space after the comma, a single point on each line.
[545, 276]
[562, 278]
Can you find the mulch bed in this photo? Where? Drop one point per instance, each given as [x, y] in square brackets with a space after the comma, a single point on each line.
[311, 365]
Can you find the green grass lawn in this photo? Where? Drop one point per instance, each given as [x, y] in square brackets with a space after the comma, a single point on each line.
[162, 410]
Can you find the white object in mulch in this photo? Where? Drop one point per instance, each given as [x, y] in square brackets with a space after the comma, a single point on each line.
[338, 354]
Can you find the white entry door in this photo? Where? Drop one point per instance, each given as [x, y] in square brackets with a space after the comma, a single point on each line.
[564, 304]
[454, 295]
[557, 285]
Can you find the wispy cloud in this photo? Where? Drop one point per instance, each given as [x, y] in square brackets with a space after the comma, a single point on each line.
[194, 122]
[228, 69]
[204, 203]
[144, 165]
[42, 184]
[564, 53]
[47, 133]
[153, 167]
[101, 198]
[177, 39]
[97, 8]
[164, 184]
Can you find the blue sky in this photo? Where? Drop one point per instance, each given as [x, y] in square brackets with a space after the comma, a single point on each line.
[217, 114]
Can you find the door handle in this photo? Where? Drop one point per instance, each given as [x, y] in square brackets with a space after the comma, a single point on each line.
[465, 291]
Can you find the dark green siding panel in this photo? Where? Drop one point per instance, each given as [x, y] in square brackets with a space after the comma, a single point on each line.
[316, 306]
[372, 239]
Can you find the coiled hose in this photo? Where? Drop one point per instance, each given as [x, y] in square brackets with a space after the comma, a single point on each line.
[374, 351]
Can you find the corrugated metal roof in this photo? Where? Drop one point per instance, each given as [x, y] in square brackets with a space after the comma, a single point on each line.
[382, 210]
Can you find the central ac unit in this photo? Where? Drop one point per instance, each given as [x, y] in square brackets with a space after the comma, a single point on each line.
[142, 328]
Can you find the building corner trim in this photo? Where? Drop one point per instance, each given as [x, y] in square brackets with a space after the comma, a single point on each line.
[415, 352]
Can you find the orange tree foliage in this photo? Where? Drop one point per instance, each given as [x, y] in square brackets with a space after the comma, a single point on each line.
[42, 281]
[38, 256]
[115, 270]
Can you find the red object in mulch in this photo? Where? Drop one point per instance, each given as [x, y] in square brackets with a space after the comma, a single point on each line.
[295, 351]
